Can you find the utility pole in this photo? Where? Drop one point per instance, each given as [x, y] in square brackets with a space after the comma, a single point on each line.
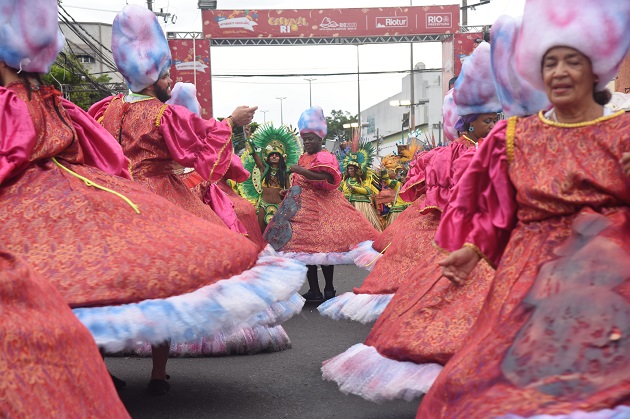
[161, 13]
[412, 110]
[281, 116]
[464, 12]
[264, 116]
[310, 96]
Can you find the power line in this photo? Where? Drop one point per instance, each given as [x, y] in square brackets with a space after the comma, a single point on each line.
[426, 70]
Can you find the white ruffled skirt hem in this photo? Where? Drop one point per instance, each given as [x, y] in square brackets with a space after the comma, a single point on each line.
[333, 258]
[619, 412]
[362, 308]
[242, 340]
[221, 306]
[366, 256]
[362, 371]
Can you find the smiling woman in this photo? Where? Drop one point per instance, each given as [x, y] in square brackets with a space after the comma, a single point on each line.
[546, 198]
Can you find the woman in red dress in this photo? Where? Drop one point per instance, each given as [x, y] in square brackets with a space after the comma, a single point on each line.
[547, 199]
[315, 222]
[430, 182]
[133, 265]
[426, 318]
[49, 362]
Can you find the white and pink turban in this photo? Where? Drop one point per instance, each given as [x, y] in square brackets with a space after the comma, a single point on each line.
[474, 91]
[30, 39]
[598, 29]
[185, 94]
[450, 116]
[313, 120]
[518, 97]
[139, 46]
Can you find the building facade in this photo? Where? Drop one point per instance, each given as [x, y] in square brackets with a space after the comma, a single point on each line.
[387, 126]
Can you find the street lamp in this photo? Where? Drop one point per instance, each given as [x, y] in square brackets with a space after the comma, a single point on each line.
[407, 103]
[281, 116]
[310, 96]
[264, 116]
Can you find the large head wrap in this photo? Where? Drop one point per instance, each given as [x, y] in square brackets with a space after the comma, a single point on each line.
[313, 120]
[139, 46]
[598, 29]
[518, 97]
[474, 90]
[450, 116]
[185, 94]
[30, 39]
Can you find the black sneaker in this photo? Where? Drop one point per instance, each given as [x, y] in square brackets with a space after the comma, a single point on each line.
[328, 294]
[118, 383]
[158, 387]
[312, 297]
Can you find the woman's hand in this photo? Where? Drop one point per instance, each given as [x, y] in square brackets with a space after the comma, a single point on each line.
[283, 193]
[459, 264]
[625, 163]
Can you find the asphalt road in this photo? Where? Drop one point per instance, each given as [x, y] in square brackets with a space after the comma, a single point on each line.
[285, 384]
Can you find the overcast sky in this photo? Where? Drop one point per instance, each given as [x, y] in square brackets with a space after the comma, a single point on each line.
[330, 92]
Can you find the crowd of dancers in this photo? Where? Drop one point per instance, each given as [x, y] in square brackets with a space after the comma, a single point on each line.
[499, 290]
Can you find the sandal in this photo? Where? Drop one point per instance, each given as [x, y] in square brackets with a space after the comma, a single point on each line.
[313, 297]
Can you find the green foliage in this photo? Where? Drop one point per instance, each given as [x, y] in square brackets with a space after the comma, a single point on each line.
[66, 81]
[335, 121]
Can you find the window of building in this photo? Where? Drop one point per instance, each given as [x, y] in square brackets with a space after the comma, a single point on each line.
[84, 59]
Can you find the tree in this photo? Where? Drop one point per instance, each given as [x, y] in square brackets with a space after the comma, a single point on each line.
[335, 121]
[70, 77]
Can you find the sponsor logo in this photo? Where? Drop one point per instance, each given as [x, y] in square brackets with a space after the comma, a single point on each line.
[392, 22]
[330, 25]
[238, 23]
[288, 25]
[439, 20]
[191, 66]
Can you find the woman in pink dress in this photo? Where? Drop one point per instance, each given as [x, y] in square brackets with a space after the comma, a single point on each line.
[430, 182]
[547, 199]
[50, 364]
[131, 264]
[315, 222]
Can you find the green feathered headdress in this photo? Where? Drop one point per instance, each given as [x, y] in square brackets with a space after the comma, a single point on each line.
[360, 155]
[268, 139]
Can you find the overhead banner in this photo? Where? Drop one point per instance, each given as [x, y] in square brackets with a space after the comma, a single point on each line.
[464, 44]
[191, 64]
[330, 23]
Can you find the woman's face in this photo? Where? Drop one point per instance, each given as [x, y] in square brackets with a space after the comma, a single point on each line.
[312, 143]
[484, 123]
[568, 76]
[352, 171]
[274, 158]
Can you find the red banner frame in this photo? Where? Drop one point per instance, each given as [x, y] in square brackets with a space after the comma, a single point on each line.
[191, 64]
[330, 23]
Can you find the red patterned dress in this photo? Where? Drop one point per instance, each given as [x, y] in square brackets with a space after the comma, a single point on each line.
[125, 258]
[315, 222]
[549, 203]
[429, 186]
[426, 320]
[49, 364]
[160, 138]
[245, 212]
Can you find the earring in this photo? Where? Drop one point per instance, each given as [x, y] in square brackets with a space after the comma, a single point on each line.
[471, 128]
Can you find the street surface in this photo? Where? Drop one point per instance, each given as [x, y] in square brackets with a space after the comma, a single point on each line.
[284, 384]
